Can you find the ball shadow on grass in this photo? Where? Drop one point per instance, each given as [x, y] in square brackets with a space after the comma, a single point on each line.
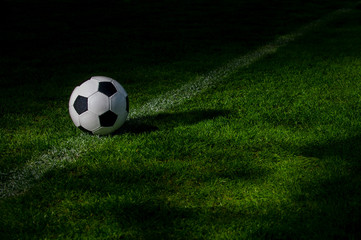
[168, 120]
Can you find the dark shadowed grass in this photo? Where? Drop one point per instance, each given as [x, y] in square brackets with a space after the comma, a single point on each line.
[271, 153]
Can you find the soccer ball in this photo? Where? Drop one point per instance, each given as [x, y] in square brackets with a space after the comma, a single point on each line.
[99, 106]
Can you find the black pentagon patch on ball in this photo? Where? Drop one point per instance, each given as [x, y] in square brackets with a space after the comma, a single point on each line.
[107, 88]
[108, 119]
[81, 104]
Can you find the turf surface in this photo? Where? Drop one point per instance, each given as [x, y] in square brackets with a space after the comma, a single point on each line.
[270, 152]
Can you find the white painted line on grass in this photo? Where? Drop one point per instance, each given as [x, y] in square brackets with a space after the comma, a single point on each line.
[58, 157]
[189, 90]
[18, 182]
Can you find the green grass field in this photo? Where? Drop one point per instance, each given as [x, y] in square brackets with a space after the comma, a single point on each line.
[272, 151]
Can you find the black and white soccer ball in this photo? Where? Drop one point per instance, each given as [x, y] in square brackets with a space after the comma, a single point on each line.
[99, 106]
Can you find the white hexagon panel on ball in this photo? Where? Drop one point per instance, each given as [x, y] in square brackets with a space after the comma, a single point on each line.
[98, 103]
[89, 121]
[88, 88]
[120, 107]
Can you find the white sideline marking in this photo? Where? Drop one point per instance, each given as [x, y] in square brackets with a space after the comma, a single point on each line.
[58, 157]
[21, 180]
[189, 90]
